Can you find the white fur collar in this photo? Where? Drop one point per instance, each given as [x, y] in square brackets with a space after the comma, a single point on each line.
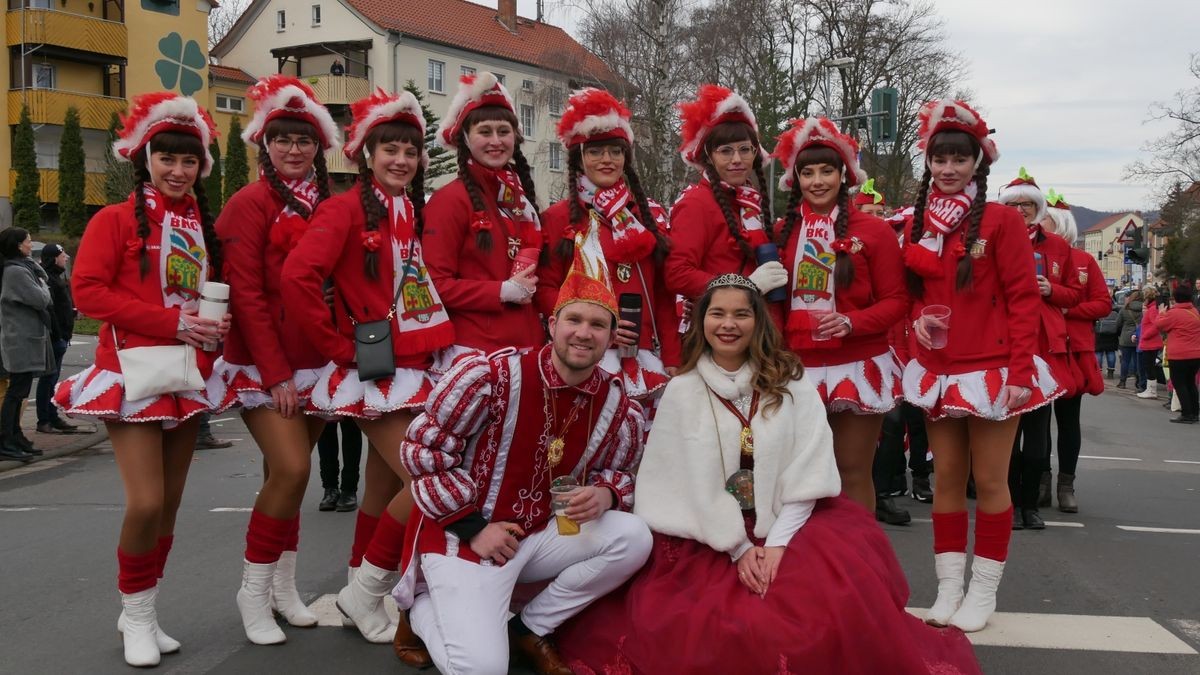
[718, 380]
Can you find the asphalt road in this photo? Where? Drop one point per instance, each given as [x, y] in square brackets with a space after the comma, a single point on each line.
[1128, 597]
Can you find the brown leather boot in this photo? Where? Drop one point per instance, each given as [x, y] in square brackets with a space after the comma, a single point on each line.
[408, 647]
[542, 654]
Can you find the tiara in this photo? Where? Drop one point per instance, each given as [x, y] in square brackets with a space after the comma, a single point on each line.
[734, 280]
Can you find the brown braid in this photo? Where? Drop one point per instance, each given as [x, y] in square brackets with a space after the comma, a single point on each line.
[916, 285]
[141, 177]
[212, 243]
[523, 172]
[974, 217]
[731, 221]
[483, 238]
[789, 220]
[416, 194]
[281, 189]
[843, 268]
[639, 195]
[762, 192]
[374, 211]
[565, 248]
[322, 169]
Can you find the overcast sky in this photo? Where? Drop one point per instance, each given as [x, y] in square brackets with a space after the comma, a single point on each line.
[1067, 84]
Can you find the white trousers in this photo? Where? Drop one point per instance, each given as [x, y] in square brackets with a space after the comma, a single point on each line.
[463, 617]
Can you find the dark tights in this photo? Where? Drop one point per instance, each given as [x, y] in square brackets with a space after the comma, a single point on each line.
[1029, 451]
[1070, 438]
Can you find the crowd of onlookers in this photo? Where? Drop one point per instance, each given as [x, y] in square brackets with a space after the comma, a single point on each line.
[1156, 331]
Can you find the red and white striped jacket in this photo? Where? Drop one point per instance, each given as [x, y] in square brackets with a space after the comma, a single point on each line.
[478, 453]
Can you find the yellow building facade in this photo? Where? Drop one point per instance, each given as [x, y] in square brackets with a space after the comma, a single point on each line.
[94, 55]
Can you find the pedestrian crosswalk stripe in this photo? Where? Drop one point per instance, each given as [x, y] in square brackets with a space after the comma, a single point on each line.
[1164, 530]
[1180, 461]
[232, 509]
[1080, 632]
[1114, 459]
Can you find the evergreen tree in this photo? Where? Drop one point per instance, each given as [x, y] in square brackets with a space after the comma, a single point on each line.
[212, 184]
[441, 161]
[25, 200]
[237, 170]
[72, 211]
[118, 174]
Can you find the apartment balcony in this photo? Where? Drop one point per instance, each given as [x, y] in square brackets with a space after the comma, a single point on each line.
[49, 106]
[336, 162]
[338, 89]
[68, 30]
[93, 191]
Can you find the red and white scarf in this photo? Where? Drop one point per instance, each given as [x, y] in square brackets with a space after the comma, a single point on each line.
[183, 256]
[289, 226]
[944, 213]
[419, 306]
[748, 204]
[614, 206]
[521, 222]
[812, 272]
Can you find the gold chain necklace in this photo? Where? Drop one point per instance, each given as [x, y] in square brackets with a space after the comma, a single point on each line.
[554, 450]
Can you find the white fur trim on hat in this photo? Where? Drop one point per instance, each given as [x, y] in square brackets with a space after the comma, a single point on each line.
[403, 104]
[1012, 193]
[733, 103]
[471, 89]
[181, 111]
[818, 131]
[331, 135]
[594, 125]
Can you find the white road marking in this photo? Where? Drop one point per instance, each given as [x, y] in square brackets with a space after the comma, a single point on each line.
[1049, 523]
[325, 607]
[1188, 627]
[1112, 459]
[1163, 530]
[1180, 461]
[223, 419]
[17, 509]
[232, 509]
[1071, 631]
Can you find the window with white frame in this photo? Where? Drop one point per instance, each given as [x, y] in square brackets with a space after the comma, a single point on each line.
[556, 156]
[316, 15]
[280, 21]
[555, 100]
[437, 76]
[231, 104]
[499, 77]
[527, 121]
[467, 70]
[526, 85]
[44, 76]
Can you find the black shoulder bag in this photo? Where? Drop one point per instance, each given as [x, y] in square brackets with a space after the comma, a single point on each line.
[373, 353]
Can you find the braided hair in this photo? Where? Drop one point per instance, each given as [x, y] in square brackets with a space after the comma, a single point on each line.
[734, 132]
[483, 238]
[843, 267]
[575, 210]
[288, 127]
[375, 210]
[182, 144]
[964, 145]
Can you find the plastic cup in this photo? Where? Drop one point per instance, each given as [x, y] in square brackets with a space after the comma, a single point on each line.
[560, 498]
[937, 324]
[525, 258]
[818, 315]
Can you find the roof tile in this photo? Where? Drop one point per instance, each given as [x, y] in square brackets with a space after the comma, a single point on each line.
[231, 74]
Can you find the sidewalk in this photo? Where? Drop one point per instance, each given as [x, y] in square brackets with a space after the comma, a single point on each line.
[57, 445]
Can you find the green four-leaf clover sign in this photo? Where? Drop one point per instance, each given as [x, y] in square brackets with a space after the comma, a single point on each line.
[182, 64]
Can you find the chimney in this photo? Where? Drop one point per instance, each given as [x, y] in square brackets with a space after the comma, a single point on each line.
[507, 13]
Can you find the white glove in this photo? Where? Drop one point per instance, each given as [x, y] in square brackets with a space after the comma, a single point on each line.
[511, 291]
[769, 276]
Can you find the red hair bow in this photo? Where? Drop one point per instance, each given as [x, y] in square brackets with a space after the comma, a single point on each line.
[371, 240]
[959, 250]
[841, 245]
[133, 247]
[481, 222]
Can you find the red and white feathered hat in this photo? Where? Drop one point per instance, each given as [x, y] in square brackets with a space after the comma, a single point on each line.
[948, 114]
[284, 96]
[714, 105]
[1024, 186]
[376, 109]
[477, 90]
[814, 131]
[594, 115]
[161, 111]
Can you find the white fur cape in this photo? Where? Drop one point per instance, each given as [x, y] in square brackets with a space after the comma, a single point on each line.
[680, 490]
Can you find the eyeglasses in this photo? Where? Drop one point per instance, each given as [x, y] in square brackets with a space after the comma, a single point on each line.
[613, 151]
[1032, 206]
[727, 152]
[304, 144]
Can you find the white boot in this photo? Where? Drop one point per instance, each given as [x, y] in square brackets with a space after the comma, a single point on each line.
[166, 643]
[254, 602]
[1151, 390]
[362, 602]
[950, 568]
[350, 572]
[285, 599]
[141, 649]
[980, 602]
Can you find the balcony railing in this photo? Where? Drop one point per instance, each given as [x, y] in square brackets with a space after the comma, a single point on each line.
[67, 29]
[336, 162]
[49, 106]
[338, 89]
[93, 191]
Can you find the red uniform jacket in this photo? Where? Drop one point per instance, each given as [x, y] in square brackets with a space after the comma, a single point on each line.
[262, 334]
[701, 246]
[1065, 291]
[1096, 304]
[469, 279]
[107, 285]
[658, 307]
[479, 451]
[874, 302]
[333, 248]
[994, 321]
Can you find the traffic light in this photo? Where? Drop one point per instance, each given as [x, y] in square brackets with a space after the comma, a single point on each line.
[1137, 254]
[883, 127]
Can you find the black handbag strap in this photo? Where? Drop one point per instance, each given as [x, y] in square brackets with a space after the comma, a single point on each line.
[391, 314]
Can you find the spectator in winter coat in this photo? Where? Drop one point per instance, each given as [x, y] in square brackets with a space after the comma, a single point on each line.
[24, 337]
[62, 327]
[1150, 345]
[1107, 335]
[1128, 321]
[1181, 323]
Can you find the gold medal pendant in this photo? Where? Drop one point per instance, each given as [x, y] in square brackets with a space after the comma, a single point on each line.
[554, 452]
[624, 272]
[747, 441]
